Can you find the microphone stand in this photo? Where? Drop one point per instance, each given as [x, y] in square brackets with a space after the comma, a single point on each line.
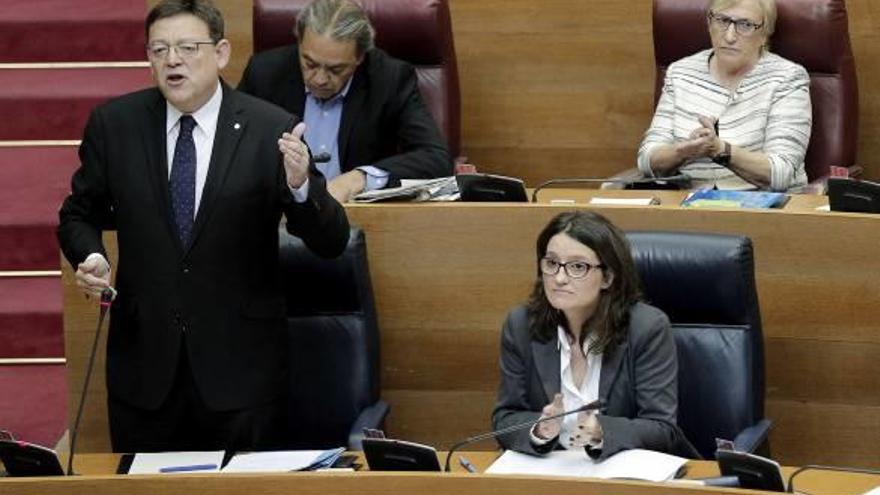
[107, 296]
[596, 404]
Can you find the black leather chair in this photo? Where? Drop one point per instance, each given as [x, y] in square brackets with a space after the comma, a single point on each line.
[334, 346]
[706, 285]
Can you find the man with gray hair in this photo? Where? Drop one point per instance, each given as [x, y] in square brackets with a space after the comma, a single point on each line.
[362, 108]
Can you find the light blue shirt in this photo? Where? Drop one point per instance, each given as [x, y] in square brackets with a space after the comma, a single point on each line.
[322, 118]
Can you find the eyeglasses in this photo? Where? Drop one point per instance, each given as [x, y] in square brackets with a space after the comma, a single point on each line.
[743, 27]
[574, 269]
[185, 49]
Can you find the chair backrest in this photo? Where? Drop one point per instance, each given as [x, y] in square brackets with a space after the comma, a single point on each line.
[334, 341]
[417, 31]
[813, 33]
[705, 283]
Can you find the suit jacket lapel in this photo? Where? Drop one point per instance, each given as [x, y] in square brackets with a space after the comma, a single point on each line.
[546, 356]
[156, 152]
[354, 101]
[612, 360]
[231, 124]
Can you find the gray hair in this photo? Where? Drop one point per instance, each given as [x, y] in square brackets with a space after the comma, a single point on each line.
[342, 20]
[768, 8]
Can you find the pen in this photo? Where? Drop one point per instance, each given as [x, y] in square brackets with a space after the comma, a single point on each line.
[466, 464]
[191, 467]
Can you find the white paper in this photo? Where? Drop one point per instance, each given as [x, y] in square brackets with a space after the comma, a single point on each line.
[875, 491]
[633, 464]
[624, 201]
[272, 462]
[414, 190]
[151, 463]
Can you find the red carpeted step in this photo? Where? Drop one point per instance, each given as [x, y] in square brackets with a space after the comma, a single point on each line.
[36, 180]
[65, 30]
[33, 402]
[53, 104]
[30, 318]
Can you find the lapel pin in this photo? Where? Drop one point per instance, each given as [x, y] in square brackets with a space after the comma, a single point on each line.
[237, 126]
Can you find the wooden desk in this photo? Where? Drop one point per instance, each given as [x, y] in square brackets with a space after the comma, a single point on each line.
[445, 275]
[96, 478]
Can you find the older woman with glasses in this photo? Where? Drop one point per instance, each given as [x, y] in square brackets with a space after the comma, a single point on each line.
[735, 116]
[584, 336]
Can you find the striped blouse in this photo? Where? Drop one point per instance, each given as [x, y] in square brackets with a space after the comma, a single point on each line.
[769, 112]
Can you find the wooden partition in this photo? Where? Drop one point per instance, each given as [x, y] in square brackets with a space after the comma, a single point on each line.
[445, 275]
[95, 478]
[556, 88]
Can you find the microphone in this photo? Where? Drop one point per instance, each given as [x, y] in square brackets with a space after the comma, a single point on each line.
[678, 181]
[322, 157]
[107, 296]
[596, 404]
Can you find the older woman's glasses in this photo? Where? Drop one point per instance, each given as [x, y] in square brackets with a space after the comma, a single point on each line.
[743, 27]
[185, 49]
[574, 269]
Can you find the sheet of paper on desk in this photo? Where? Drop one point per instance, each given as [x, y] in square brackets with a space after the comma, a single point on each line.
[625, 201]
[633, 464]
[281, 461]
[441, 189]
[151, 463]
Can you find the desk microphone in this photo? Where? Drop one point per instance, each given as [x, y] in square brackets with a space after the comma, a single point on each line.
[596, 404]
[107, 296]
[322, 157]
[678, 181]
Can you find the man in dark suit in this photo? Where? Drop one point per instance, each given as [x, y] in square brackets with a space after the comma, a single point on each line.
[362, 107]
[194, 178]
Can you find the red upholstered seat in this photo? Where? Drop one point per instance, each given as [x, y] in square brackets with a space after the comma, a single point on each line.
[813, 33]
[418, 31]
[55, 103]
[72, 31]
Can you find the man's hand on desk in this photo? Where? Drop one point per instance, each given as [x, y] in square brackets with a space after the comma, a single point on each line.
[346, 186]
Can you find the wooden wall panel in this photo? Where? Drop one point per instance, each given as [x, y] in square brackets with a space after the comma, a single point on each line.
[445, 275]
[565, 87]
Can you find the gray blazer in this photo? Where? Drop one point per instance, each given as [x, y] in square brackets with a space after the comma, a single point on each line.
[638, 382]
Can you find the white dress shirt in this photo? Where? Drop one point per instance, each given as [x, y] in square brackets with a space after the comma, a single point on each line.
[572, 395]
[203, 136]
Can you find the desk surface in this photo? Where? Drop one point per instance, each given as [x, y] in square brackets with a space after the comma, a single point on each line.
[445, 275]
[96, 478]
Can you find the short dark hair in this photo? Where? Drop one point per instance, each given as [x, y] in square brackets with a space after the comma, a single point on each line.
[609, 322]
[203, 9]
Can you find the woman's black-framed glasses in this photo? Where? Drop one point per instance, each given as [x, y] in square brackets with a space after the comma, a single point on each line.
[574, 269]
[743, 27]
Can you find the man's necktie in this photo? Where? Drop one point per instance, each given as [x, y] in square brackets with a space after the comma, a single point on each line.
[183, 180]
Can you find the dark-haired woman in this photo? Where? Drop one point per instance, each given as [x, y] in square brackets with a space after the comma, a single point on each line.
[583, 336]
